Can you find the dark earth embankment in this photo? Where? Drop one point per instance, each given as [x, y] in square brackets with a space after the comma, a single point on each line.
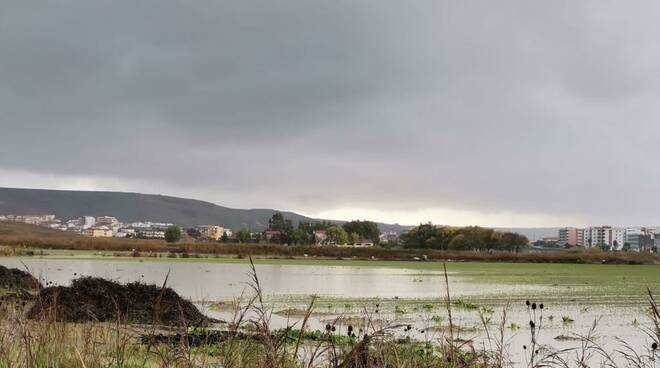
[14, 279]
[97, 299]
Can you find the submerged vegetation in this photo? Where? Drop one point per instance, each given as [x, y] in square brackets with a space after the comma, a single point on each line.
[37, 331]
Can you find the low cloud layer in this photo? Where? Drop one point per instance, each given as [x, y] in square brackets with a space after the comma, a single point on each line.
[512, 114]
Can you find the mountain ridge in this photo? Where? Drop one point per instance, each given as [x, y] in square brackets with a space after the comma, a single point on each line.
[133, 207]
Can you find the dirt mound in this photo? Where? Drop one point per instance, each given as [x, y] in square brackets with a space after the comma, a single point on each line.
[97, 299]
[15, 279]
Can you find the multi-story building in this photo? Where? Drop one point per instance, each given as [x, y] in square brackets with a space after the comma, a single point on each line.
[98, 232]
[592, 236]
[618, 238]
[639, 239]
[151, 233]
[124, 232]
[603, 236]
[106, 220]
[212, 232]
[571, 236]
[88, 221]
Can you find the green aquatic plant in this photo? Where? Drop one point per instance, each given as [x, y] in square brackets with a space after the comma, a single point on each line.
[399, 310]
[437, 319]
[460, 303]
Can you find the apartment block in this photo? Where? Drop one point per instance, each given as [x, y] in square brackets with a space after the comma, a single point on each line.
[213, 232]
[571, 236]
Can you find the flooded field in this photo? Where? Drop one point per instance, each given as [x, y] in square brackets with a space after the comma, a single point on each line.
[368, 295]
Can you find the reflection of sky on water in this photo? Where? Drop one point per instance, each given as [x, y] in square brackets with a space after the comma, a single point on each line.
[217, 281]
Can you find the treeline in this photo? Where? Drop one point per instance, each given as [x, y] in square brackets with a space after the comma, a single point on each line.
[303, 234]
[429, 236]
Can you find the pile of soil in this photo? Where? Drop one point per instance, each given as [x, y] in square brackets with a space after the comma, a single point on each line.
[97, 299]
[15, 279]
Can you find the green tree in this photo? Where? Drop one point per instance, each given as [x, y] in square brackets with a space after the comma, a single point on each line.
[461, 238]
[278, 223]
[336, 235]
[428, 236]
[172, 234]
[224, 238]
[458, 243]
[243, 235]
[304, 234]
[353, 238]
[365, 229]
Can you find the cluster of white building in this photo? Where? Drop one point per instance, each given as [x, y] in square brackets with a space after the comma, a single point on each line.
[101, 226]
[108, 226]
[610, 238]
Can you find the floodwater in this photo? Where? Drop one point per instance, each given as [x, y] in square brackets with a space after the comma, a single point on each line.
[389, 296]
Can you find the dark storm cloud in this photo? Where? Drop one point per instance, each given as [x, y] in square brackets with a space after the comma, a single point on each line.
[530, 107]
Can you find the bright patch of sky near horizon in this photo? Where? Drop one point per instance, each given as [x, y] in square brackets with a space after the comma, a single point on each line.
[519, 113]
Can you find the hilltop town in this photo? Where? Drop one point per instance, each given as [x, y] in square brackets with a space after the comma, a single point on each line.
[321, 233]
[100, 226]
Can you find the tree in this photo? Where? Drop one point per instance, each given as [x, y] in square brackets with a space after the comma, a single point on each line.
[336, 235]
[461, 238]
[304, 234]
[513, 241]
[224, 238]
[365, 229]
[172, 234]
[278, 223]
[243, 235]
[354, 238]
[458, 243]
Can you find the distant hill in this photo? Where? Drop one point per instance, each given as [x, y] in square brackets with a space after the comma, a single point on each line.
[132, 207]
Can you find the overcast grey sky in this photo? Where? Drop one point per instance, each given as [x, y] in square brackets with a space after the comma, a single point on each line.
[507, 113]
